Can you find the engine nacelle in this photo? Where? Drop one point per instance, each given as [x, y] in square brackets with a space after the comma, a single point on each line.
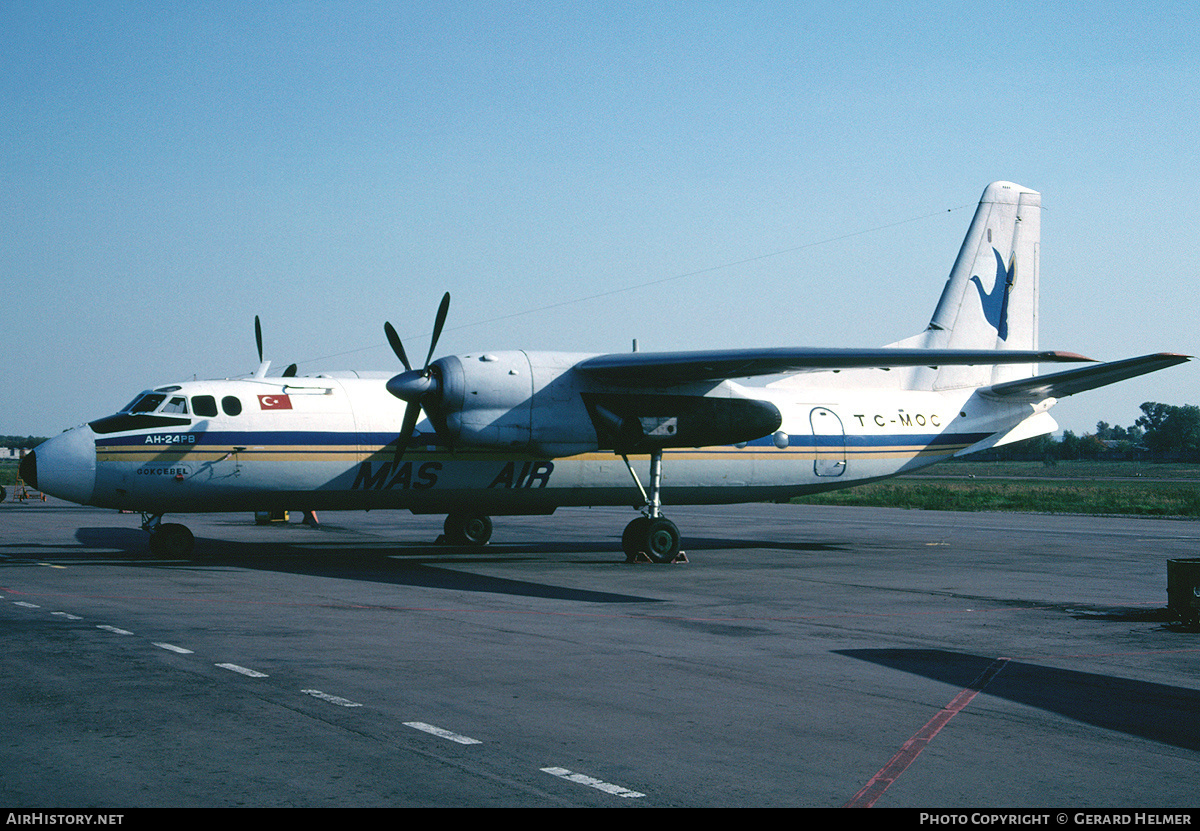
[537, 402]
[514, 401]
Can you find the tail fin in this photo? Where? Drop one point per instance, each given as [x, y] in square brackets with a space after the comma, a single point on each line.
[991, 298]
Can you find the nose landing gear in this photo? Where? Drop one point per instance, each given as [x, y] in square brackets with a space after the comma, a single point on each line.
[168, 539]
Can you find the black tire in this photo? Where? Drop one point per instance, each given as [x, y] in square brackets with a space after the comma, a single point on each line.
[172, 540]
[657, 538]
[662, 540]
[634, 538]
[468, 529]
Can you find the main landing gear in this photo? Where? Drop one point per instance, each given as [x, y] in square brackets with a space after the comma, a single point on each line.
[168, 539]
[467, 528]
[651, 536]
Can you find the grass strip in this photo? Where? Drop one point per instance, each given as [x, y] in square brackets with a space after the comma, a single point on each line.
[1179, 498]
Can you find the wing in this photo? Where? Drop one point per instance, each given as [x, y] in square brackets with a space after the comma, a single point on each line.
[669, 368]
[1060, 384]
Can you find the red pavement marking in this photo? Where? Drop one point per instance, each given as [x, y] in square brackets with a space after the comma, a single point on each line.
[912, 748]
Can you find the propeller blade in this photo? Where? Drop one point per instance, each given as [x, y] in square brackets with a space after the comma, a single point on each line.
[396, 345]
[258, 337]
[290, 372]
[438, 323]
[415, 387]
[411, 414]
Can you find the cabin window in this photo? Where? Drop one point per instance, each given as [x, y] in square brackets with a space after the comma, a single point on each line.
[204, 405]
[231, 405]
[177, 405]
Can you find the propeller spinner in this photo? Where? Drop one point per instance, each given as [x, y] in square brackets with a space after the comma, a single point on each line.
[418, 387]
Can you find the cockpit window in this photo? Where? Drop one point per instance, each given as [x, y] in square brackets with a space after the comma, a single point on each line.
[178, 404]
[204, 405]
[148, 403]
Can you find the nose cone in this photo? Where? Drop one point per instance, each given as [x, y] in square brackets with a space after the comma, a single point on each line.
[64, 466]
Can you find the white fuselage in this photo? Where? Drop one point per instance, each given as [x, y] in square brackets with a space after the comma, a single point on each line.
[327, 443]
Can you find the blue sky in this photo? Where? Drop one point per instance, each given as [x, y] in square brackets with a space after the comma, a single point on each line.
[693, 175]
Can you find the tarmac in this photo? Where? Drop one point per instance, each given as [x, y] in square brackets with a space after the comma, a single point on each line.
[801, 657]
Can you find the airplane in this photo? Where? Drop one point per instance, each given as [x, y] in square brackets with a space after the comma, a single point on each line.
[519, 432]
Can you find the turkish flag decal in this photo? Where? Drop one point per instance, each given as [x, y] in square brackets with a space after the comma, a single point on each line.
[274, 402]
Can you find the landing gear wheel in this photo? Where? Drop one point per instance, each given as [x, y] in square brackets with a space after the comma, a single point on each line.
[662, 540]
[468, 529]
[656, 538]
[172, 540]
[633, 539]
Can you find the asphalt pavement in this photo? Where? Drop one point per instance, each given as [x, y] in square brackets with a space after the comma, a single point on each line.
[801, 657]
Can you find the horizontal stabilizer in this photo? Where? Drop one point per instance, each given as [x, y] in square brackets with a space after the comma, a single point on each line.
[1061, 384]
[668, 368]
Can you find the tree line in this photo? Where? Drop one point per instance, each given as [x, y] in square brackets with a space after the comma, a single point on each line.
[24, 442]
[1164, 432]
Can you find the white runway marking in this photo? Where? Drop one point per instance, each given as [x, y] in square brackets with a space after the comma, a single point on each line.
[113, 629]
[27, 605]
[252, 673]
[67, 615]
[437, 731]
[332, 699]
[173, 648]
[600, 785]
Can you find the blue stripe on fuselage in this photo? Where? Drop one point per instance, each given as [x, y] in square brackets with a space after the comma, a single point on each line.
[316, 440]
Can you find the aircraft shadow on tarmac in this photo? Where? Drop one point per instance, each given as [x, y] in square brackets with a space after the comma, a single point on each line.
[393, 563]
[1151, 711]
[715, 543]
[401, 563]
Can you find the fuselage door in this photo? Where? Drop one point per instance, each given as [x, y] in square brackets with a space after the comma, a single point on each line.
[829, 439]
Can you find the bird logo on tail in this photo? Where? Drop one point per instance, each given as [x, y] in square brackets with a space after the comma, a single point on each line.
[995, 303]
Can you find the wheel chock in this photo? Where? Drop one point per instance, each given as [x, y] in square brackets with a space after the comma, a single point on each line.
[643, 557]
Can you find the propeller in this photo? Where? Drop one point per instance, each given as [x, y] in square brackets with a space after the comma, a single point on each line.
[290, 372]
[418, 387]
